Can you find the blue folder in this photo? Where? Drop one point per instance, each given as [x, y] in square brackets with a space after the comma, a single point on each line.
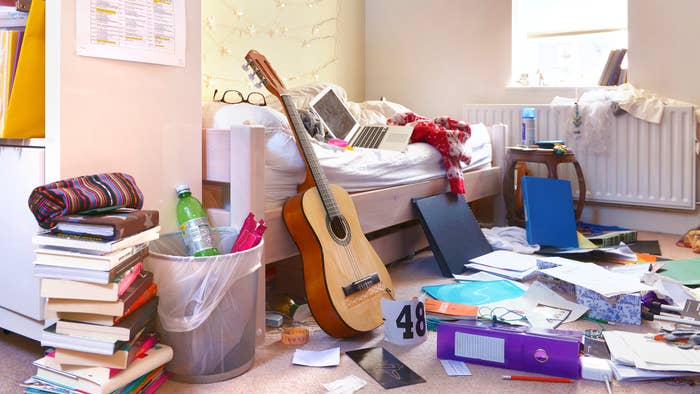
[549, 212]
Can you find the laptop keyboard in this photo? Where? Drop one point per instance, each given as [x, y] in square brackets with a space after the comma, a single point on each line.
[369, 137]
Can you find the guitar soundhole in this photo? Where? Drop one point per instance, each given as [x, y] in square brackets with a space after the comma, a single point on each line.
[339, 230]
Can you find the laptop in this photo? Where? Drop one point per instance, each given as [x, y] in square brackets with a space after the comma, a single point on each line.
[337, 118]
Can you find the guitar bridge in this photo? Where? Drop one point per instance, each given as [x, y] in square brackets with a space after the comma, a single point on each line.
[361, 284]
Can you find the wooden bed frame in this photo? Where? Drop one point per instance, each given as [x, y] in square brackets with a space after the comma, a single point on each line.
[233, 171]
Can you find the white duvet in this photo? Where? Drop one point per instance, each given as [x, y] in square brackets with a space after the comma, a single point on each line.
[360, 169]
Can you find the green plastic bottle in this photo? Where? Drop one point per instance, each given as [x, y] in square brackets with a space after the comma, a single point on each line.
[193, 223]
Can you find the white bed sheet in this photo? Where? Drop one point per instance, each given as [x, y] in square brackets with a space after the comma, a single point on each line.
[360, 169]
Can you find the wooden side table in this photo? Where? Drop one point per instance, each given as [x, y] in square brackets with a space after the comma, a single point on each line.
[551, 160]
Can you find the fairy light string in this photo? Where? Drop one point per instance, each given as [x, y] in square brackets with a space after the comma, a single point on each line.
[230, 28]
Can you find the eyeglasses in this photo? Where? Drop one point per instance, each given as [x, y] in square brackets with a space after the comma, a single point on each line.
[236, 97]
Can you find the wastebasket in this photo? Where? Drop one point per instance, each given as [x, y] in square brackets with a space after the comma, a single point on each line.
[206, 311]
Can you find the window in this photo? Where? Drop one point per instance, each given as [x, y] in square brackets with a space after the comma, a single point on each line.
[565, 42]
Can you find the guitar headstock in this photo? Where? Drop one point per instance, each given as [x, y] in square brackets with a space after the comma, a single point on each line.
[264, 71]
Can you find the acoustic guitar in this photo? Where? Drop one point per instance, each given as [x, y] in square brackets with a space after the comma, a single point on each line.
[344, 277]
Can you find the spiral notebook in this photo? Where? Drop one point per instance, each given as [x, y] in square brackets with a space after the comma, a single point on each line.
[454, 235]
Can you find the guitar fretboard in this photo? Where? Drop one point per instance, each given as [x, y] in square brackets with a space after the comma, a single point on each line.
[310, 157]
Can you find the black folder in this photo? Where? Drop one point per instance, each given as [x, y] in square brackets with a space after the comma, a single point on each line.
[453, 233]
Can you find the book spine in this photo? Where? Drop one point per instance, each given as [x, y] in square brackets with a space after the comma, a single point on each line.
[128, 278]
[146, 296]
[128, 263]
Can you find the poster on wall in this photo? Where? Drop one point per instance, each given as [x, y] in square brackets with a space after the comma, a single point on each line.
[150, 31]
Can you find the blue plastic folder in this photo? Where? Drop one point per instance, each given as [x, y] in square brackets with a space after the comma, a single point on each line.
[549, 212]
[475, 293]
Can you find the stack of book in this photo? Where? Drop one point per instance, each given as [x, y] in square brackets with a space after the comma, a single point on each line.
[613, 73]
[103, 303]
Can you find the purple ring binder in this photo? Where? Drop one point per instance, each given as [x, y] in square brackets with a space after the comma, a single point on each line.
[543, 351]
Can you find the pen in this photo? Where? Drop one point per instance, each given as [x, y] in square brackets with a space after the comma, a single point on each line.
[537, 379]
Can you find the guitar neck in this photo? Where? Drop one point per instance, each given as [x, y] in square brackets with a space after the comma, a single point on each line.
[307, 151]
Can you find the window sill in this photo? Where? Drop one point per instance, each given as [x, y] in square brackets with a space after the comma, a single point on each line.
[536, 87]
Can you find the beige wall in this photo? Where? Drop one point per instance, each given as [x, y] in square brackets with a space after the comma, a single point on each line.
[434, 59]
[109, 115]
[663, 41]
[324, 42]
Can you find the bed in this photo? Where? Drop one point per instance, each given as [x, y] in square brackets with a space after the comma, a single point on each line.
[254, 168]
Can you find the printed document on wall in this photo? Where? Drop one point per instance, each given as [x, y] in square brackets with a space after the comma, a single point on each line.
[150, 31]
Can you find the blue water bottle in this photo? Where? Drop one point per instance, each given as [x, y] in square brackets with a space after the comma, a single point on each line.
[527, 126]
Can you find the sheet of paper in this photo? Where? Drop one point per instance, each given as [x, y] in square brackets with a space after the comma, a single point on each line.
[632, 374]
[644, 352]
[518, 275]
[483, 276]
[317, 358]
[598, 279]
[507, 260]
[455, 368]
[346, 385]
[636, 270]
[539, 294]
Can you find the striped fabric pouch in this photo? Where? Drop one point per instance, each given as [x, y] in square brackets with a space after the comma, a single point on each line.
[101, 191]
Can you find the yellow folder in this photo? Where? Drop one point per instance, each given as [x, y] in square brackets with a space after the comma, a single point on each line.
[26, 109]
[8, 52]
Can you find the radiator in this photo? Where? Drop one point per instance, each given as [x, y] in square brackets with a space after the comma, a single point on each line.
[643, 163]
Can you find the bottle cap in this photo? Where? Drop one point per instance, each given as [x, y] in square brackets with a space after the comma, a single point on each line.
[528, 113]
[182, 188]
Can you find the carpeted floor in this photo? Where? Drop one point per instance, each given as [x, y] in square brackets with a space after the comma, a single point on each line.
[272, 371]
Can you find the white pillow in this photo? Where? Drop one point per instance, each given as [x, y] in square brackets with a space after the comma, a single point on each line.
[223, 116]
[303, 94]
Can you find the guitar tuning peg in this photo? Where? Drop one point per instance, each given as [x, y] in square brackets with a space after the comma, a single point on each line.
[245, 67]
[251, 76]
[258, 85]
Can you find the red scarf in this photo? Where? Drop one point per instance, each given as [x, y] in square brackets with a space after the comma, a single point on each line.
[447, 135]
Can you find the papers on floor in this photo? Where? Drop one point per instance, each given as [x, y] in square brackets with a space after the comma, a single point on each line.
[482, 276]
[631, 374]
[317, 358]
[598, 279]
[455, 368]
[348, 384]
[547, 309]
[642, 351]
[505, 263]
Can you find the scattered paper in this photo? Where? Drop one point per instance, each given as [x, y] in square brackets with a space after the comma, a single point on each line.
[507, 260]
[346, 385]
[636, 270]
[517, 275]
[317, 358]
[642, 351]
[482, 276]
[631, 374]
[455, 368]
[540, 295]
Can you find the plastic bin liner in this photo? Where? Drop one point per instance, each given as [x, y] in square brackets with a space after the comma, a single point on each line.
[207, 305]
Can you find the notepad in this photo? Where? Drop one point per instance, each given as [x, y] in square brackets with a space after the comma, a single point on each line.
[549, 212]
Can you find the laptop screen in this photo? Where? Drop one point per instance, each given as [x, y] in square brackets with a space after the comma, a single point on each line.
[334, 114]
